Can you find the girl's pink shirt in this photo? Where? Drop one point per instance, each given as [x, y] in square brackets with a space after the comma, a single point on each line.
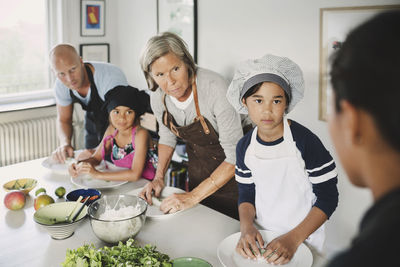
[126, 162]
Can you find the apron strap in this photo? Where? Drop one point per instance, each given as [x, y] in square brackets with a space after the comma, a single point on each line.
[169, 122]
[198, 118]
[196, 103]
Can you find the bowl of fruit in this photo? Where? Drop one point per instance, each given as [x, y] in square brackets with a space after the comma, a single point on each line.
[24, 185]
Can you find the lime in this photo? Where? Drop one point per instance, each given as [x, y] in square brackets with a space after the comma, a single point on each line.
[60, 192]
[40, 190]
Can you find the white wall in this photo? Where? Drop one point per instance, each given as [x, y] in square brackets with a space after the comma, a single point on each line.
[233, 30]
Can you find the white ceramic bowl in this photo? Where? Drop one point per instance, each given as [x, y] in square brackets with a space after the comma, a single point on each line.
[24, 185]
[116, 218]
[52, 218]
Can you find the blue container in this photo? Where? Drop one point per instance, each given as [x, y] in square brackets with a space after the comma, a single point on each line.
[90, 192]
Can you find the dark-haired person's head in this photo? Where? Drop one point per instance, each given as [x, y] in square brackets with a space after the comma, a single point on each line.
[127, 96]
[365, 128]
[366, 73]
[256, 87]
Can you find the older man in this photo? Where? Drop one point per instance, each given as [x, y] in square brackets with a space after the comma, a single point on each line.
[84, 83]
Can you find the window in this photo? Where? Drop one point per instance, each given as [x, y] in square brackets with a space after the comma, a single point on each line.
[23, 47]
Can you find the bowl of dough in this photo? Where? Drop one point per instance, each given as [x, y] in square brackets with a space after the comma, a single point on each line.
[115, 218]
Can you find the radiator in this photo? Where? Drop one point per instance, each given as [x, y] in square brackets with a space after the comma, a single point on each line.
[27, 139]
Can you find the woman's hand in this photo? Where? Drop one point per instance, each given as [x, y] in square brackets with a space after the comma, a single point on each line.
[282, 249]
[247, 244]
[177, 202]
[154, 186]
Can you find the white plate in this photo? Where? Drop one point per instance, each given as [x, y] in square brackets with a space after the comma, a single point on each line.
[56, 167]
[60, 168]
[228, 256]
[86, 181]
[154, 211]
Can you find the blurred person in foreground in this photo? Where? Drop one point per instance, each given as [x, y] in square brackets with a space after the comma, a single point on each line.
[365, 128]
[84, 83]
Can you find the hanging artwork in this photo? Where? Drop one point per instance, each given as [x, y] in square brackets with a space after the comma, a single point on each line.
[92, 18]
[335, 24]
[95, 52]
[179, 17]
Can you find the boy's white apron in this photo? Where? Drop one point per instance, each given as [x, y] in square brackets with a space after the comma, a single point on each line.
[284, 194]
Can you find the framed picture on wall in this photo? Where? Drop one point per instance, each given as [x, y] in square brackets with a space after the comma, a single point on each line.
[95, 52]
[335, 24]
[180, 17]
[92, 18]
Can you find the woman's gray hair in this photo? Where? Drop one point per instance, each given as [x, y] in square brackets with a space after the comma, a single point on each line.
[160, 45]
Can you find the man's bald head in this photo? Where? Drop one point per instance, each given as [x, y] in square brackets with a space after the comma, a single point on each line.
[68, 66]
[63, 52]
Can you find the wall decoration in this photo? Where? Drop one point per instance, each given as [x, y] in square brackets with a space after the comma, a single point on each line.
[180, 17]
[95, 52]
[92, 18]
[335, 24]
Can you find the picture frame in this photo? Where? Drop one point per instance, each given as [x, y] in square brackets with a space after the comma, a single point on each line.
[92, 18]
[179, 17]
[95, 52]
[335, 24]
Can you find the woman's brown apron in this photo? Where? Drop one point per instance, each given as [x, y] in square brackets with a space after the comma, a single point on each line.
[205, 155]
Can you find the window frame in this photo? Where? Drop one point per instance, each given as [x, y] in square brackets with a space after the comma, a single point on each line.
[55, 14]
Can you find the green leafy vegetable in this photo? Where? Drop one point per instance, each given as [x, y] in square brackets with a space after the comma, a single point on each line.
[129, 254]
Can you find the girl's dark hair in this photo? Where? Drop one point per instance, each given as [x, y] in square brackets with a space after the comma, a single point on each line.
[254, 90]
[366, 70]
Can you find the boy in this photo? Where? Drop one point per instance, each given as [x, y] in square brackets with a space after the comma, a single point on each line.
[365, 125]
[286, 178]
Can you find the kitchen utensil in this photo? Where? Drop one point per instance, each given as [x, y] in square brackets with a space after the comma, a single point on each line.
[80, 209]
[68, 218]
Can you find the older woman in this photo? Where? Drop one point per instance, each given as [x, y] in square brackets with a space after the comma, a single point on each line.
[190, 104]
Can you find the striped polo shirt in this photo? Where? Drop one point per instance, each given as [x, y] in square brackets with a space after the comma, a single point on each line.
[318, 164]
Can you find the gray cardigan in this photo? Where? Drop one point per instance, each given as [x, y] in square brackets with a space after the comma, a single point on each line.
[211, 89]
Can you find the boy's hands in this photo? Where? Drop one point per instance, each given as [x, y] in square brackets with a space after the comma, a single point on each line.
[247, 244]
[281, 249]
[278, 251]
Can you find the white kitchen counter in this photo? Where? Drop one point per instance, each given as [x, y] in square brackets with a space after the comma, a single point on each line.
[196, 232]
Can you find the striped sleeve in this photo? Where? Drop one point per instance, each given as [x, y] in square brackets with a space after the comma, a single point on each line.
[319, 163]
[324, 172]
[243, 174]
[320, 167]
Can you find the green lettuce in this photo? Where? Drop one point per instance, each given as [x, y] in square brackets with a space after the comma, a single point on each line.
[129, 254]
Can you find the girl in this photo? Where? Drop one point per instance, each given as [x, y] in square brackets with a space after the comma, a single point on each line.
[286, 178]
[125, 143]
